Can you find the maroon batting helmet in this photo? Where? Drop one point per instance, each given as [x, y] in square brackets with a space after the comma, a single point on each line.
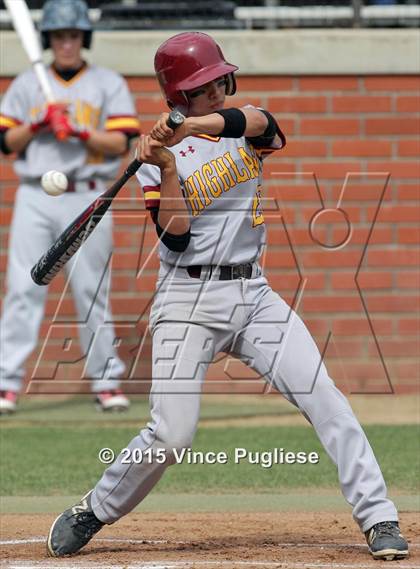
[187, 61]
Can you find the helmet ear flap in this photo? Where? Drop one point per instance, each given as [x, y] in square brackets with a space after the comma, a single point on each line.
[45, 40]
[230, 84]
[87, 39]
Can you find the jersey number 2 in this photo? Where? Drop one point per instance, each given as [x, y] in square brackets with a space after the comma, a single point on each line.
[257, 215]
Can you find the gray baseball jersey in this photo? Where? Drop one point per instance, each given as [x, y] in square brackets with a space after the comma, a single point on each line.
[221, 181]
[98, 98]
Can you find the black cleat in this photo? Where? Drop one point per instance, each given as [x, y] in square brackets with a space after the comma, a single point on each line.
[386, 542]
[73, 529]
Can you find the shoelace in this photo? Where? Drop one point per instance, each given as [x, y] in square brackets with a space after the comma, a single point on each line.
[86, 524]
[386, 528]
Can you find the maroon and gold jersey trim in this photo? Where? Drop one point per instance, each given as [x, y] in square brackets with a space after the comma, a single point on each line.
[151, 196]
[208, 137]
[262, 152]
[72, 80]
[8, 122]
[126, 123]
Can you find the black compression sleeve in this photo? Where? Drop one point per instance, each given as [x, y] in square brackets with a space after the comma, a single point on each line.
[173, 242]
[154, 212]
[3, 146]
[265, 139]
[235, 123]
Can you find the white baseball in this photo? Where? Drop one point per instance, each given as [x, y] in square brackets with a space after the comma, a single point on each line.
[54, 183]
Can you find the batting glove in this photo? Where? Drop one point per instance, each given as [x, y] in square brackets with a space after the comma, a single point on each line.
[51, 116]
[72, 130]
[63, 128]
[81, 134]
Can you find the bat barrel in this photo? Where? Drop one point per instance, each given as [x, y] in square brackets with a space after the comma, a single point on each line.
[79, 230]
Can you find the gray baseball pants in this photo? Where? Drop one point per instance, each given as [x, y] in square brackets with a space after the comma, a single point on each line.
[38, 219]
[192, 320]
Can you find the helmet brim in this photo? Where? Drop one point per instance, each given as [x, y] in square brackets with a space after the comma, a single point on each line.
[203, 76]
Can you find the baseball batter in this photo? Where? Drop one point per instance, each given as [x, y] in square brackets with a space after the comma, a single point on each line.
[100, 118]
[202, 184]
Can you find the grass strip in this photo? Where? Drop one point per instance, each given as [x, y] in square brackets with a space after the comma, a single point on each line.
[303, 501]
[48, 461]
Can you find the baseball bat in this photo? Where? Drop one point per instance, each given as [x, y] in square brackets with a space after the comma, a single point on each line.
[25, 29]
[72, 238]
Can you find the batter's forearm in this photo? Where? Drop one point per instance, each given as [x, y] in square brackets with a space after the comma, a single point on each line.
[213, 124]
[173, 212]
[17, 138]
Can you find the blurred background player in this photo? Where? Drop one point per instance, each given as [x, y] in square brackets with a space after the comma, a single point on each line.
[99, 120]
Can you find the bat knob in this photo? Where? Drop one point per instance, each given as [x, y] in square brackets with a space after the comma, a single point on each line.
[176, 119]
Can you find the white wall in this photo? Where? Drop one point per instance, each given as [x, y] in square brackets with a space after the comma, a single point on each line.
[279, 52]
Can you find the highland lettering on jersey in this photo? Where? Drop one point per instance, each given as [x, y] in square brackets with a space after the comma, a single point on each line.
[221, 179]
[219, 175]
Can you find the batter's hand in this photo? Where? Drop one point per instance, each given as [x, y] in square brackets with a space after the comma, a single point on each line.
[57, 120]
[151, 151]
[63, 128]
[60, 125]
[52, 111]
[162, 133]
[81, 134]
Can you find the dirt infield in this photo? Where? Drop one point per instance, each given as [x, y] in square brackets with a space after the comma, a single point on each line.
[208, 540]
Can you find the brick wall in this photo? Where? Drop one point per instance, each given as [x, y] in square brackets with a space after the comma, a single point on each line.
[342, 211]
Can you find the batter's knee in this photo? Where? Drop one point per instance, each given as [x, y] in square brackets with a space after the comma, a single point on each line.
[167, 438]
[325, 402]
[174, 447]
[178, 441]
